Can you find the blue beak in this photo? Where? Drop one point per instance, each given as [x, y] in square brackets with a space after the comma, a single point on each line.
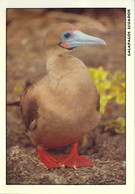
[82, 39]
[77, 38]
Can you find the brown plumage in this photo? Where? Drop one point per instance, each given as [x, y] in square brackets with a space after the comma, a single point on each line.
[62, 105]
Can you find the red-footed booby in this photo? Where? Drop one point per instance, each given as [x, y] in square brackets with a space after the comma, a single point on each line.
[62, 105]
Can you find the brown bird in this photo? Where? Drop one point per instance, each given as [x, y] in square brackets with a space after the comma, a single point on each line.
[61, 106]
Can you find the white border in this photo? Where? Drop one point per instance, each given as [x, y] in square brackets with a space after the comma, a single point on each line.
[51, 189]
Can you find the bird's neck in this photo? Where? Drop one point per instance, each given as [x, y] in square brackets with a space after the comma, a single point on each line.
[59, 60]
[67, 66]
[56, 52]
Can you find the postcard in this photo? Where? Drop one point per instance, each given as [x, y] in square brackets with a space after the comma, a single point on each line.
[67, 97]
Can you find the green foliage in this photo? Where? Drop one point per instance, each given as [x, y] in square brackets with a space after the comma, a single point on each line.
[120, 127]
[111, 89]
[17, 89]
[84, 141]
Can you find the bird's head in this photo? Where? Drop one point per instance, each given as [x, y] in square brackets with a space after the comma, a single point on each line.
[67, 36]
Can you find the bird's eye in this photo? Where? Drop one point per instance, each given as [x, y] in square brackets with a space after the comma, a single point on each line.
[67, 35]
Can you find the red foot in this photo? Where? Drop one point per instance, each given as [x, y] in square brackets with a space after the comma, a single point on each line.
[73, 159]
[47, 159]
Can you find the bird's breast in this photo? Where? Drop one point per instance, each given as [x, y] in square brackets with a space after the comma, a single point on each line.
[70, 95]
[67, 100]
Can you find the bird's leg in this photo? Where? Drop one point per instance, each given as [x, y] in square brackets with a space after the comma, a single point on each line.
[73, 159]
[47, 159]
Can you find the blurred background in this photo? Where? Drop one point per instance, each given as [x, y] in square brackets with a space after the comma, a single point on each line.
[26, 29]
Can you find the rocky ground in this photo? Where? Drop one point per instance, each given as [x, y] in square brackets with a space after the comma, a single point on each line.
[26, 29]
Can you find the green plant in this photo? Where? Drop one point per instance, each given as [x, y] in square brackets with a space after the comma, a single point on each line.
[17, 89]
[112, 90]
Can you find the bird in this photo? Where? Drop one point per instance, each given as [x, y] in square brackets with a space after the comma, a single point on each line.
[62, 105]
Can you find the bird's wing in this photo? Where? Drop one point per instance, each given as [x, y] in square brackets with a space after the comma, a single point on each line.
[29, 107]
[29, 103]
